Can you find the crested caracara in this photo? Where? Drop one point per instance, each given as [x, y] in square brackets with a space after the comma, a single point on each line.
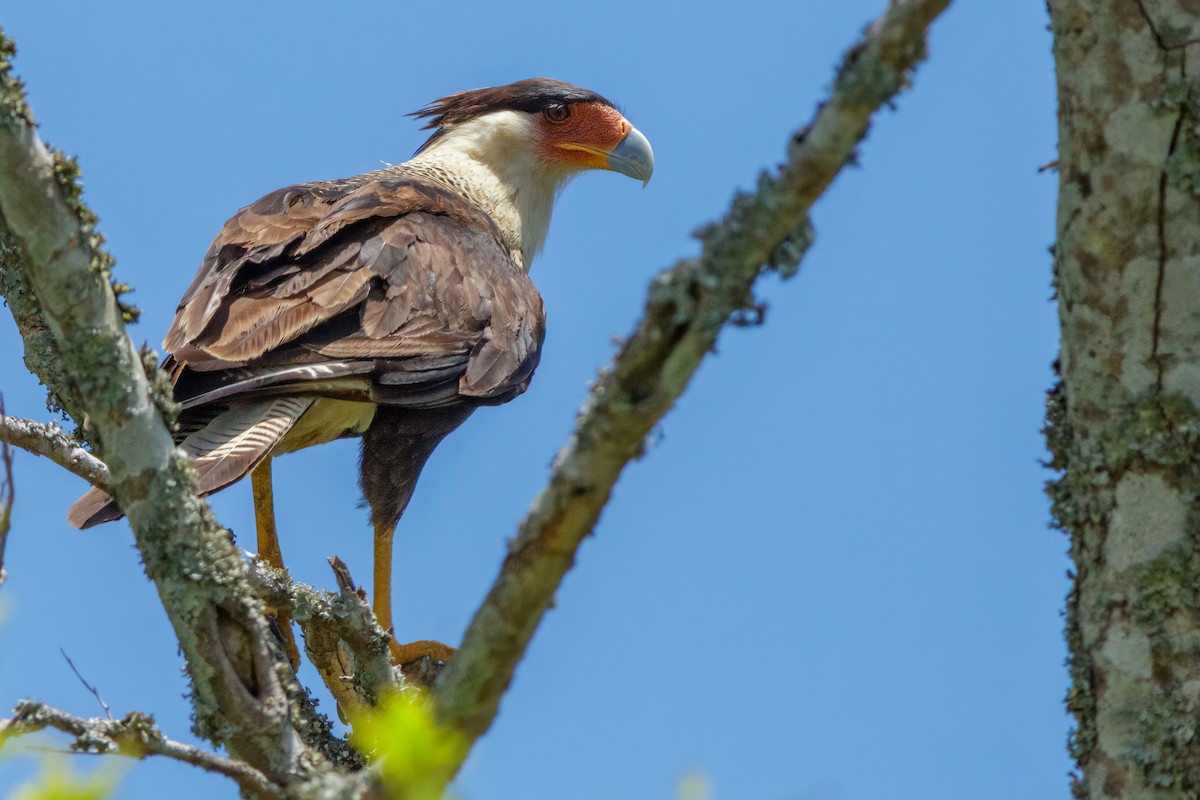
[388, 305]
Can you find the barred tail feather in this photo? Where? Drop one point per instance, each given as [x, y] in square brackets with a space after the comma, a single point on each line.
[225, 450]
[93, 508]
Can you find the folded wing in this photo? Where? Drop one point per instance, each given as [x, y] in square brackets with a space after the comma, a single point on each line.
[381, 289]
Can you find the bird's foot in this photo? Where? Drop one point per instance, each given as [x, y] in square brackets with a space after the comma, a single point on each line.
[421, 662]
[403, 654]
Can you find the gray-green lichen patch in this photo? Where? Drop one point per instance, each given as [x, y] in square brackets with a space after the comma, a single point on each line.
[787, 255]
[1147, 518]
[1156, 430]
[316, 731]
[160, 388]
[1181, 97]
[310, 603]
[865, 79]
[1165, 744]
[69, 176]
[42, 356]
[1128, 649]
[14, 111]
[1179, 93]
[1129, 498]
[13, 108]
[1183, 165]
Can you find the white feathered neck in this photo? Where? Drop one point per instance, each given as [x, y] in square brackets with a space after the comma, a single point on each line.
[496, 161]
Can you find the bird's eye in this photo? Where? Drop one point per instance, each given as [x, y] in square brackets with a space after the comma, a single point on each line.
[557, 113]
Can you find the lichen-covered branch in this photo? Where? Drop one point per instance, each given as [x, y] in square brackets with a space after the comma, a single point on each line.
[135, 736]
[687, 307]
[42, 355]
[1124, 425]
[341, 637]
[244, 692]
[49, 441]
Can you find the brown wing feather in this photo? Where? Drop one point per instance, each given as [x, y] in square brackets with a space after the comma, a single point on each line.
[385, 268]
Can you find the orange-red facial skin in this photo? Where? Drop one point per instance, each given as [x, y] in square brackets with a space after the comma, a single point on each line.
[586, 136]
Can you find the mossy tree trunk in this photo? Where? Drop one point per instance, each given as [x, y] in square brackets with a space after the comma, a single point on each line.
[1124, 424]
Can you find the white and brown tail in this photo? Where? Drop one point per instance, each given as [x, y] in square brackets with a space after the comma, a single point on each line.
[225, 450]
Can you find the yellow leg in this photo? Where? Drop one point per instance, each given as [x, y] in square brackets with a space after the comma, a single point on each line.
[383, 576]
[268, 547]
[401, 653]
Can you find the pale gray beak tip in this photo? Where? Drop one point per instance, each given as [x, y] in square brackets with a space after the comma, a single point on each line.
[633, 157]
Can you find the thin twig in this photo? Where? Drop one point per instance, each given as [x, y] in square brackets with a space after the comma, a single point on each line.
[49, 441]
[7, 494]
[86, 685]
[135, 736]
[687, 307]
[58, 751]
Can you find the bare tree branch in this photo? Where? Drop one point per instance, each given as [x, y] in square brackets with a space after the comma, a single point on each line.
[94, 691]
[135, 736]
[687, 307]
[49, 441]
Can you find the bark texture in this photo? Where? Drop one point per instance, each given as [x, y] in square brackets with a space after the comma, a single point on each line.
[1123, 423]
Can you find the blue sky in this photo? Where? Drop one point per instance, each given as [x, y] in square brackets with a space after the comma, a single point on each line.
[831, 578]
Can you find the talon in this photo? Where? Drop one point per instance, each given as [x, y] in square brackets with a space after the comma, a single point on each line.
[421, 662]
[405, 654]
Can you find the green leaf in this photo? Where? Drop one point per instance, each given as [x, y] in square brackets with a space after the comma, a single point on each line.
[414, 755]
[59, 781]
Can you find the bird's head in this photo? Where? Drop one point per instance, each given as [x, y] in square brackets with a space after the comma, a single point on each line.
[551, 129]
[511, 149]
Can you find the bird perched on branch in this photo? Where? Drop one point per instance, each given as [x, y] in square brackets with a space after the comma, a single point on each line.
[388, 305]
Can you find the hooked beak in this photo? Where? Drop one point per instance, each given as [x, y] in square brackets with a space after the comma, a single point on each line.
[633, 157]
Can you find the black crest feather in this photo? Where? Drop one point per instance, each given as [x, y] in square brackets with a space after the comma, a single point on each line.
[529, 95]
